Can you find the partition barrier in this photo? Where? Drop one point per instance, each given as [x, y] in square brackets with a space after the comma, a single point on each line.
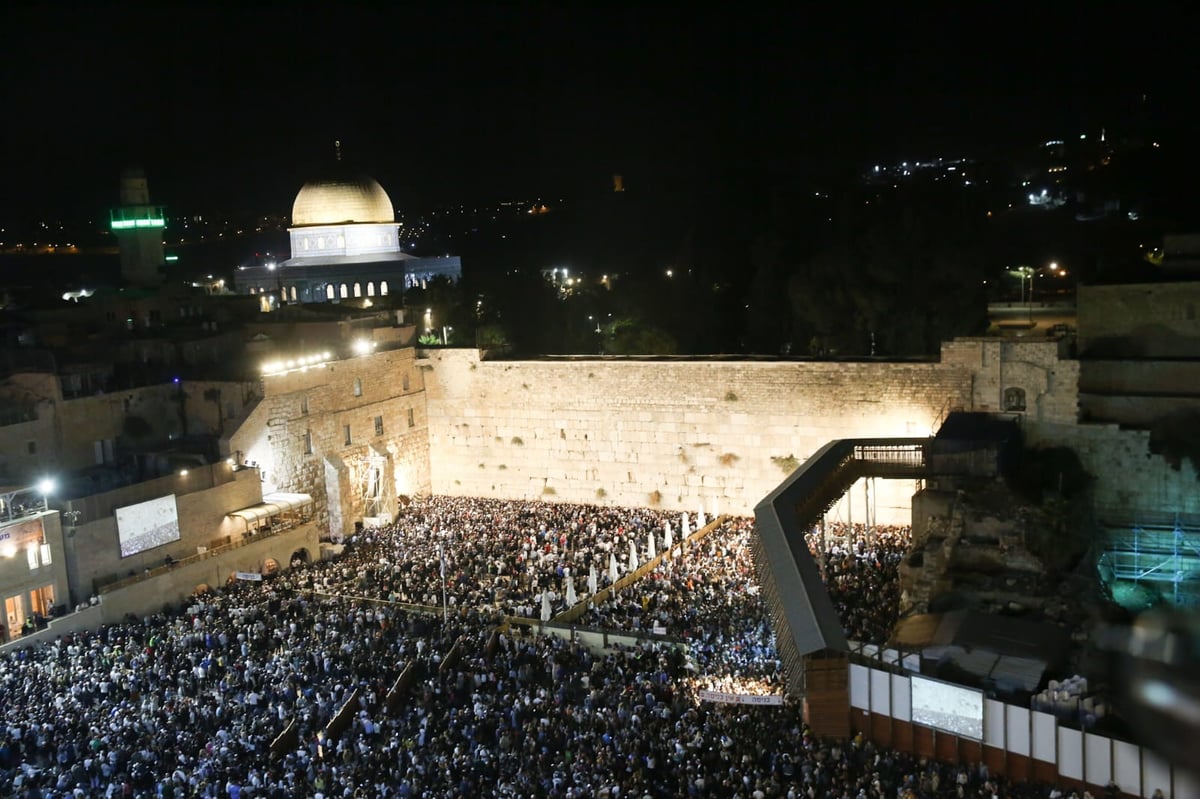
[605, 594]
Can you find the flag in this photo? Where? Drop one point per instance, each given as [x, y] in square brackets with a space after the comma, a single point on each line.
[442, 560]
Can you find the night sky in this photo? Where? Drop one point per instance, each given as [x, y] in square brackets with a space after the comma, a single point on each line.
[231, 110]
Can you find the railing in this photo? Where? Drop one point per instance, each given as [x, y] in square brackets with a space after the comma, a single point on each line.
[209, 552]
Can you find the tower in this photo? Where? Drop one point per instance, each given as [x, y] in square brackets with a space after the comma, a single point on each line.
[138, 226]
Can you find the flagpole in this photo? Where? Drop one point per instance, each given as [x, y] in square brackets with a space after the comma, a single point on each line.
[442, 561]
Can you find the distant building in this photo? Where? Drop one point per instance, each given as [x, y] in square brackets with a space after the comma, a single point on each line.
[345, 248]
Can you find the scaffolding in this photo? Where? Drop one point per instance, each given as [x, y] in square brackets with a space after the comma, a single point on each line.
[1163, 552]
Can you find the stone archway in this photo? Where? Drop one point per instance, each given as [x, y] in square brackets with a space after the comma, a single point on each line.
[299, 558]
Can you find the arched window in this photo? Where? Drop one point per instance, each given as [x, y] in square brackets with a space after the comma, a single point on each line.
[358, 386]
[320, 242]
[358, 289]
[345, 293]
[383, 288]
[329, 291]
[293, 293]
[341, 242]
[370, 289]
[307, 243]
[1014, 399]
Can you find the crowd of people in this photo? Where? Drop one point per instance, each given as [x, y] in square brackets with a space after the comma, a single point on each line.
[234, 695]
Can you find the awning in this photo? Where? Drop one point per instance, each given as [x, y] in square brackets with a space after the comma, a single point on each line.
[273, 505]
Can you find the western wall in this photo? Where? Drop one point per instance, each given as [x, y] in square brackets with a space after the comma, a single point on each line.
[712, 434]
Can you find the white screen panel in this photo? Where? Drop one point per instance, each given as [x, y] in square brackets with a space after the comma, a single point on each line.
[881, 694]
[1017, 722]
[1045, 742]
[947, 707]
[1127, 767]
[1070, 753]
[901, 698]
[860, 691]
[1097, 759]
[1186, 784]
[1157, 774]
[993, 723]
[147, 525]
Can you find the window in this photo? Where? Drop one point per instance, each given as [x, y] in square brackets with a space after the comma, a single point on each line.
[304, 405]
[358, 289]
[404, 382]
[370, 288]
[307, 244]
[307, 442]
[383, 288]
[346, 434]
[293, 293]
[1014, 399]
[341, 242]
[320, 242]
[329, 292]
[411, 421]
[358, 386]
[378, 425]
[345, 293]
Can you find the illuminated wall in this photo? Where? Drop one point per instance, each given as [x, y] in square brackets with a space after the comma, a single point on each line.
[346, 240]
[678, 434]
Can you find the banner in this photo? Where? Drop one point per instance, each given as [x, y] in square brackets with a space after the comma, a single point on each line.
[255, 576]
[740, 699]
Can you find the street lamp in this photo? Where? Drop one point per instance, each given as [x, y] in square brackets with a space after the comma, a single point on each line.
[1024, 273]
[46, 487]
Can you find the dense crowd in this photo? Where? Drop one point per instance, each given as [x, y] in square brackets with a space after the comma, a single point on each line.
[189, 703]
[504, 555]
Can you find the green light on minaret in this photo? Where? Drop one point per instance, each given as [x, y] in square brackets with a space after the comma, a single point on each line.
[137, 217]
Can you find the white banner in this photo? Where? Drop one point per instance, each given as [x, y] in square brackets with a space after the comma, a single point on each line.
[740, 699]
[255, 576]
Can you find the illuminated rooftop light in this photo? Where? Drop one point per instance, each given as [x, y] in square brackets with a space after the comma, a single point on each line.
[46, 486]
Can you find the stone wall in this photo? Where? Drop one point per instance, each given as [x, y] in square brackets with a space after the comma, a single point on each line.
[1130, 479]
[176, 586]
[1148, 320]
[1047, 381]
[685, 435]
[297, 435]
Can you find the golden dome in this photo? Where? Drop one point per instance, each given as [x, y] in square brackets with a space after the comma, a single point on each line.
[339, 201]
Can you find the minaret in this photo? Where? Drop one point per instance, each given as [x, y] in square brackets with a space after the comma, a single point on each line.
[138, 226]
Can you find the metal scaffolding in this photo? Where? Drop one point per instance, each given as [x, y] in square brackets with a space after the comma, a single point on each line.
[1157, 551]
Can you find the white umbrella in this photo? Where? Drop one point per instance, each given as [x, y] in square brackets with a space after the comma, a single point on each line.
[700, 522]
[667, 541]
[650, 553]
[545, 606]
[685, 527]
[570, 592]
[633, 561]
[612, 567]
[592, 580]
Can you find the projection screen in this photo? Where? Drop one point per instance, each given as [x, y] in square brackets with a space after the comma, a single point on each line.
[147, 525]
[947, 707]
